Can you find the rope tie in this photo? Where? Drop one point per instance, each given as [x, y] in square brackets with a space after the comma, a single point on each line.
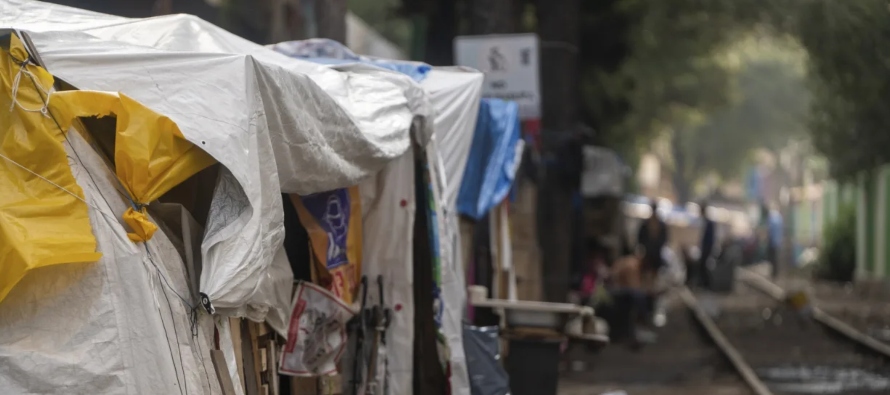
[16, 81]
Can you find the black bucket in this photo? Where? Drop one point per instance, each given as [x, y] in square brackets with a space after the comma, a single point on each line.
[533, 366]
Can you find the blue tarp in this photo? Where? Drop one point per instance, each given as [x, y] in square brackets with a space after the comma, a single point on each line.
[492, 163]
[325, 51]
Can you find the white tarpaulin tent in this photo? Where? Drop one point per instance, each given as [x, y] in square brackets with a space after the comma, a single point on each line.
[324, 128]
[116, 326]
[245, 106]
[454, 93]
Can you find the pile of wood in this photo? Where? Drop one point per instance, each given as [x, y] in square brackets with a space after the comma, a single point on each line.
[257, 352]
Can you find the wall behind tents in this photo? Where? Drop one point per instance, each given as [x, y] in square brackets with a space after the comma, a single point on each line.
[869, 195]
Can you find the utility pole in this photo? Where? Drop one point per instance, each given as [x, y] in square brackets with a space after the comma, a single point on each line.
[493, 16]
[162, 7]
[330, 19]
[559, 31]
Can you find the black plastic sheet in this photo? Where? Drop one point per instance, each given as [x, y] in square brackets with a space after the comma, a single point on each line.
[482, 349]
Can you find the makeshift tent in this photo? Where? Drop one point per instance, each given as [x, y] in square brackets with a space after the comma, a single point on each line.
[319, 124]
[454, 93]
[239, 110]
[119, 323]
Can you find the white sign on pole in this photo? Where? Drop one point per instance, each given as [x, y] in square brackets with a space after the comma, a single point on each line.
[510, 64]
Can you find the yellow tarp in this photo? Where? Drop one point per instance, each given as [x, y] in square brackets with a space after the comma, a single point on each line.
[43, 220]
[40, 224]
[150, 153]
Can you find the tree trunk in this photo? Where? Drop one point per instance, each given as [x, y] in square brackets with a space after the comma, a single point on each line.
[441, 30]
[681, 181]
[162, 7]
[488, 17]
[493, 16]
[330, 18]
[558, 28]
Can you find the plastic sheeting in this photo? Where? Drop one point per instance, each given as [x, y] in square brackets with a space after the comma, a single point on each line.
[482, 346]
[494, 158]
[454, 93]
[327, 51]
[43, 218]
[325, 114]
[388, 207]
[243, 104]
[151, 156]
[117, 326]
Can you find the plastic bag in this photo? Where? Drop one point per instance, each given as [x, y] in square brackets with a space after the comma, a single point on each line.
[482, 349]
[316, 335]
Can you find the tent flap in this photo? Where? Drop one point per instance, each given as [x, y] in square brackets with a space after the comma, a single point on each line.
[151, 155]
[43, 214]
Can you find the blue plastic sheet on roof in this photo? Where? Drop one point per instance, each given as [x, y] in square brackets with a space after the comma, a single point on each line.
[326, 51]
[491, 165]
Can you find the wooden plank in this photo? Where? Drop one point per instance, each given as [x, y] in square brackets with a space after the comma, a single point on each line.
[271, 372]
[262, 353]
[258, 360]
[235, 329]
[222, 372]
[304, 386]
[331, 385]
[251, 378]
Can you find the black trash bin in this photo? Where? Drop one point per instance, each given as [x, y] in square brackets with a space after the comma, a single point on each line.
[533, 365]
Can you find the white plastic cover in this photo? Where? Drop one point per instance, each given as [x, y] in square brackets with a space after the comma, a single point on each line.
[388, 208]
[116, 326]
[318, 146]
[244, 105]
[455, 94]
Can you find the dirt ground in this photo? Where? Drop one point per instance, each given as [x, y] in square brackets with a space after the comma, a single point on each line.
[681, 362]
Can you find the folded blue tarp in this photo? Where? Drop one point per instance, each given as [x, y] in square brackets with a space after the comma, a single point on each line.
[325, 51]
[494, 158]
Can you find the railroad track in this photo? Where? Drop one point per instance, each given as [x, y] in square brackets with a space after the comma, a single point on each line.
[683, 361]
[776, 350]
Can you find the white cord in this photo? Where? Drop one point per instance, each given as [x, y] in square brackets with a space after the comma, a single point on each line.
[43, 178]
[98, 210]
[23, 69]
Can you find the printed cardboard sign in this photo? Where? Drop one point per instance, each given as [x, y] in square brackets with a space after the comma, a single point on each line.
[316, 334]
[334, 222]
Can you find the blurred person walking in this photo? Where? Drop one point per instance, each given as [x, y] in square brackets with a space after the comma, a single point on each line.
[652, 237]
[706, 249]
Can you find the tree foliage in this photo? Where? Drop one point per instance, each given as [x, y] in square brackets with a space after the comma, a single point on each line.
[767, 110]
[670, 75]
[651, 66]
[846, 42]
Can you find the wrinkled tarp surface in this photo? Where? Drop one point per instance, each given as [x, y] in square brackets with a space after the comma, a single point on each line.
[454, 93]
[494, 157]
[117, 326]
[243, 104]
[43, 218]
